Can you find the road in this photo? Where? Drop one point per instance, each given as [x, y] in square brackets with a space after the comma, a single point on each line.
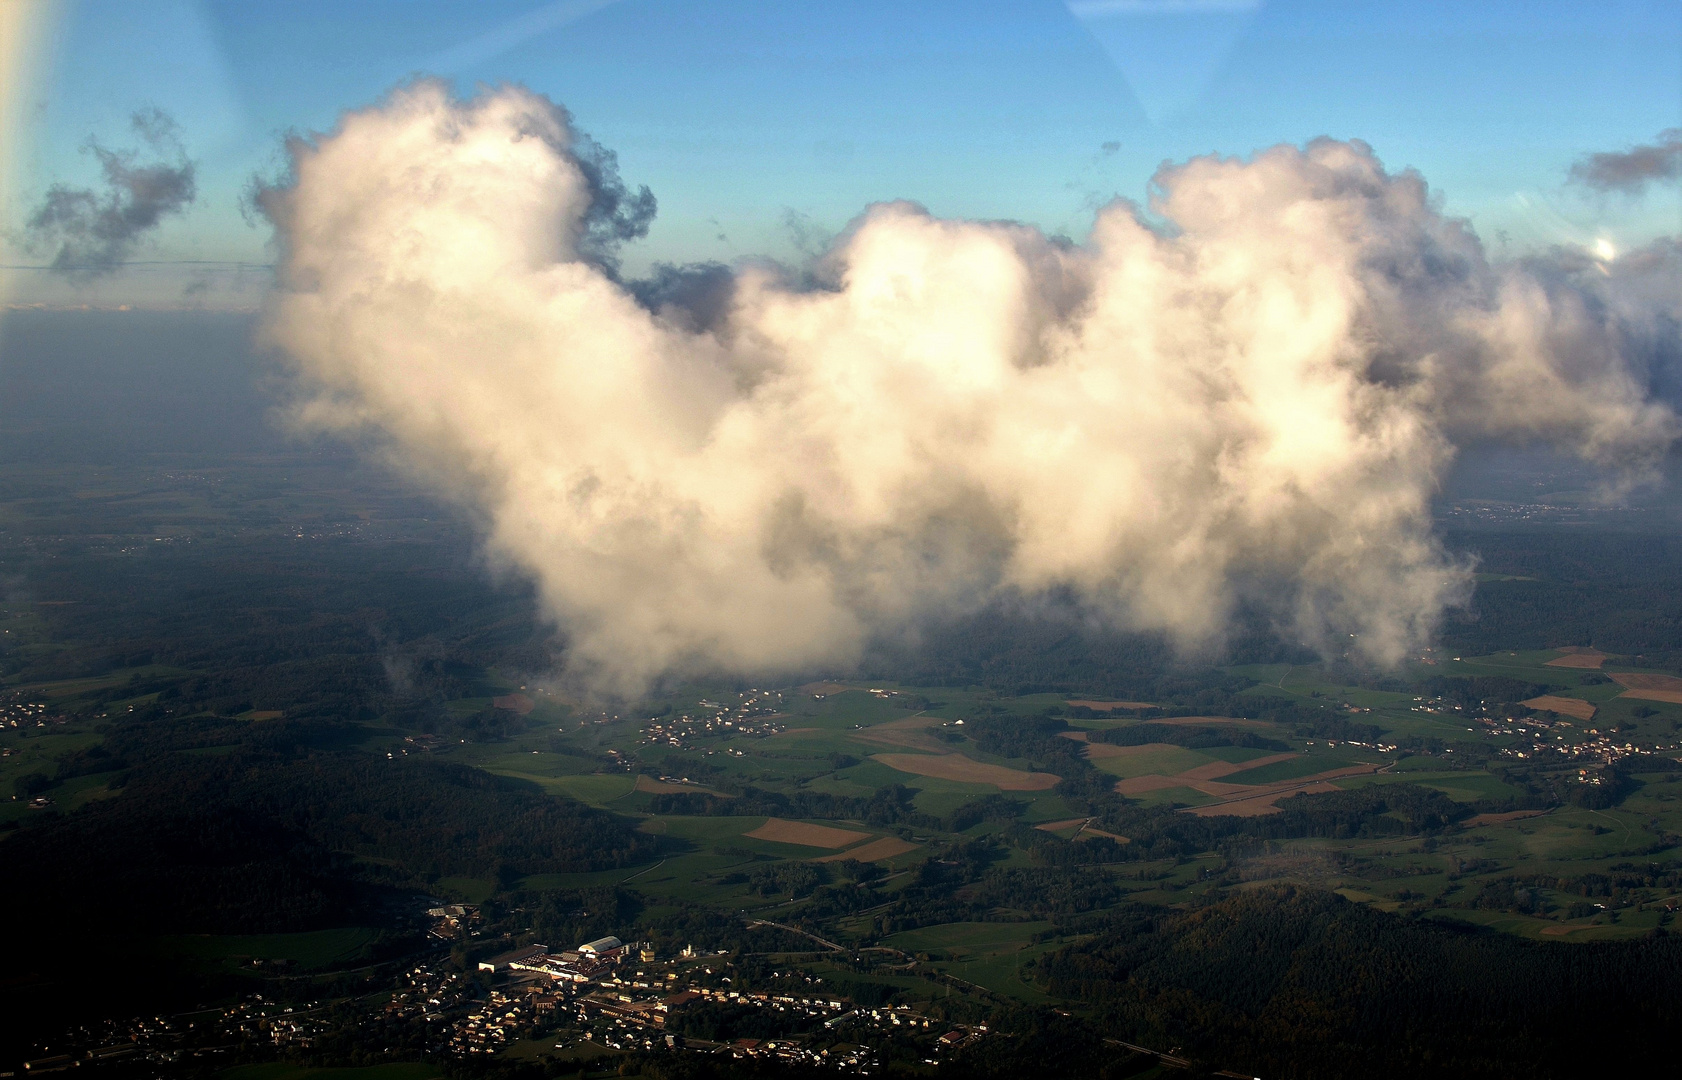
[797, 930]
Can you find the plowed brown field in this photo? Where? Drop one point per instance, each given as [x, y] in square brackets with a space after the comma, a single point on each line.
[1211, 721]
[1059, 826]
[1643, 681]
[1499, 819]
[958, 767]
[1645, 687]
[875, 851]
[1204, 778]
[1262, 802]
[1217, 769]
[911, 733]
[1258, 805]
[1578, 657]
[823, 688]
[1565, 706]
[658, 787]
[1672, 696]
[799, 832]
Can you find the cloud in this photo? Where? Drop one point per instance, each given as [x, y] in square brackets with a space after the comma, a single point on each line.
[761, 471]
[94, 230]
[696, 296]
[614, 213]
[1631, 171]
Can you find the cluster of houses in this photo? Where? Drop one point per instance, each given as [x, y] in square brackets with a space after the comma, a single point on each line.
[1599, 747]
[22, 714]
[262, 1021]
[453, 921]
[493, 1024]
[539, 981]
[756, 713]
[625, 1009]
[427, 992]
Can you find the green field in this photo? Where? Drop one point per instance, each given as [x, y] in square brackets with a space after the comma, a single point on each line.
[597, 790]
[1159, 759]
[986, 954]
[1280, 771]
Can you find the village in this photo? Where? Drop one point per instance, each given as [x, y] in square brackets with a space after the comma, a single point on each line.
[600, 998]
[28, 714]
[756, 713]
[1549, 734]
[624, 997]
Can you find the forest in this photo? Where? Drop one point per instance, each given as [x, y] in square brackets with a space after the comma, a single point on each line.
[1308, 984]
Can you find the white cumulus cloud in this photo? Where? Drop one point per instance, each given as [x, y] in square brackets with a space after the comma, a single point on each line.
[1255, 394]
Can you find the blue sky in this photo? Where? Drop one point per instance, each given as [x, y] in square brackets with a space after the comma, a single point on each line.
[740, 114]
